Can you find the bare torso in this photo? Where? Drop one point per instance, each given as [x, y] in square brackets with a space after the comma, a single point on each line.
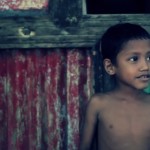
[124, 125]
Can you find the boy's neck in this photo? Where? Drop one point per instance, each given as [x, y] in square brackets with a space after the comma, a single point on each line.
[129, 93]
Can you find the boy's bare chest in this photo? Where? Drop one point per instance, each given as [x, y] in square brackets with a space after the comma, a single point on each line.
[127, 120]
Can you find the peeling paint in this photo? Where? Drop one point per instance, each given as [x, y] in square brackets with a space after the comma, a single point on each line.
[23, 4]
[42, 96]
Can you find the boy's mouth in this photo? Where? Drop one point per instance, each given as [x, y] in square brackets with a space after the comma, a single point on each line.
[145, 77]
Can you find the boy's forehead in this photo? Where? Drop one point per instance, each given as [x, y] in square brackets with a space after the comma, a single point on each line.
[136, 44]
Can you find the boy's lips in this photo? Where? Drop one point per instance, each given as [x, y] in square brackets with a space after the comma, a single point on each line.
[144, 77]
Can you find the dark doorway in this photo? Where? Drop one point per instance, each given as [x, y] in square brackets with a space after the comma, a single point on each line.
[118, 6]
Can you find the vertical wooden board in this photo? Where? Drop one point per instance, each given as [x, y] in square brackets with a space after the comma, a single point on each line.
[79, 90]
[53, 100]
[17, 129]
[3, 101]
[85, 82]
[62, 94]
[34, 83]
[73, 99]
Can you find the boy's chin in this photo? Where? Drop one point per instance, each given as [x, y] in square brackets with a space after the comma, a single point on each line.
[141, 88]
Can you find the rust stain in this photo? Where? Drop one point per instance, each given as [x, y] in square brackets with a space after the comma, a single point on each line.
[23, 4]
[42, 95]
[26, 4]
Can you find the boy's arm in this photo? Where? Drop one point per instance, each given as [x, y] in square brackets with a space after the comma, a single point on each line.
[89, 125]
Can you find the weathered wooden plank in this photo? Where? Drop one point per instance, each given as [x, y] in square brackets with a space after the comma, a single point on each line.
[30, 32]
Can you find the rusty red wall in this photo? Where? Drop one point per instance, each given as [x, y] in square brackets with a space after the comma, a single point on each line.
[42, 98]
[22, 4]
[43, 93]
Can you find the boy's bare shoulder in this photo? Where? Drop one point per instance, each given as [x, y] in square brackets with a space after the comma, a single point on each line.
[99, 101]
[101, 97]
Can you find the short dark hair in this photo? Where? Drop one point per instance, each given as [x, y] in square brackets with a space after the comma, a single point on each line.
[117, 35]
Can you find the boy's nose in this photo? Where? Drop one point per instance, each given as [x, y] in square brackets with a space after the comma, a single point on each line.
[145, 65]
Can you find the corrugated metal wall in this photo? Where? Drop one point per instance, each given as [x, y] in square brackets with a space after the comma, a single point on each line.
[42, 98]
[43, 93]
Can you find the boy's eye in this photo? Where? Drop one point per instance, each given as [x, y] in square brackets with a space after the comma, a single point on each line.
[148, 58]
[133, 59]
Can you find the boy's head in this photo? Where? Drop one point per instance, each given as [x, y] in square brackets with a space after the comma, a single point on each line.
[117, 36]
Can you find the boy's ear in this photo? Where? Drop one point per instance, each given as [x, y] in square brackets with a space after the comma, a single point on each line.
[109, 67]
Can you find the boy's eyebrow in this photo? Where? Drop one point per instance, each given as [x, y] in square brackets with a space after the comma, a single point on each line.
[136, 53]
[132, 53]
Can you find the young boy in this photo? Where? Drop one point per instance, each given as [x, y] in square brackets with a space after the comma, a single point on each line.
[122, 115]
